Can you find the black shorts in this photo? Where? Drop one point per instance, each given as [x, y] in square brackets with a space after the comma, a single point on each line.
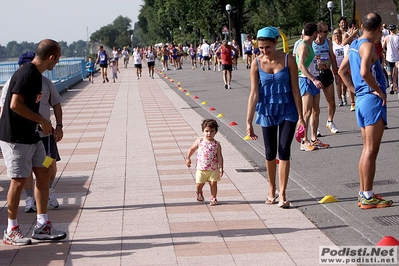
[53, 150]
[104, 65]
[227, 67]
[248, 52]
[150, 64]
[138, 66]
[326, 77]
[206, 58]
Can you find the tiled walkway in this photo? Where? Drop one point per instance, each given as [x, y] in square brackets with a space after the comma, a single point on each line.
[127, 197]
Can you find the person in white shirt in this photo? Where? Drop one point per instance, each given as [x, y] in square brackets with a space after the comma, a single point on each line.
[340, 52]
[248, 47]
[125, 54]
[137, 58]
[391, 43]
[205, 51]
[151, 55]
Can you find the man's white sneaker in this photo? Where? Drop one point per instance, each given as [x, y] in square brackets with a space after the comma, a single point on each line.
[30, 204]
[15, 237]
[47, 232]
[52, 200]
[332, 127]
[318, 133]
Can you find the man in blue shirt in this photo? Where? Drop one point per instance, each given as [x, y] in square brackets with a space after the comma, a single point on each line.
[367, 80]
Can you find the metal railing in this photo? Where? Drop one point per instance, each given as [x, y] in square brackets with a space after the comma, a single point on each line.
[66, 73]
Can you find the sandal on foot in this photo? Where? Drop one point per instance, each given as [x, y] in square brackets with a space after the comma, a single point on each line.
[271, 200]
[213, 202]
[284, 204]
[200, 198]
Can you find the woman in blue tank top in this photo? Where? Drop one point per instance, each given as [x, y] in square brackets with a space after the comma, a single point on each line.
[276, 98]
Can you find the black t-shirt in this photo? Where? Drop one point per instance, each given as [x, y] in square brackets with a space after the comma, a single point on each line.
[26, 81]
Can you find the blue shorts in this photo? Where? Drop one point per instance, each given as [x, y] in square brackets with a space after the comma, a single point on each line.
[369, 110]
[307, 86]
[256, 51]
[50, 146]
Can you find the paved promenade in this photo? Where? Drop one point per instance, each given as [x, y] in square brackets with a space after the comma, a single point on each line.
[127, 198]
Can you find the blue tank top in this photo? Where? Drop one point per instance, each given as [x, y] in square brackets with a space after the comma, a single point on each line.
[361, 87]
[322, 51]
[275, 103]
[103, 57]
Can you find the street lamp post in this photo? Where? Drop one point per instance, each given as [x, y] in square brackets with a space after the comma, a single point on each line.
[228, 10]
[131, 39]
[330, 6]
[342, 7]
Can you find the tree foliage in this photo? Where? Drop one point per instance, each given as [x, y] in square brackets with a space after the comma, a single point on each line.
[190, 21]
[115, 34]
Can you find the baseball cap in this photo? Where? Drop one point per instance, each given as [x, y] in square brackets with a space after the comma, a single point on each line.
[26, 58]
[391, 27]
[268, 32]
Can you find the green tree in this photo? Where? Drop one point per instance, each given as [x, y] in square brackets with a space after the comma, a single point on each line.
[116, 34]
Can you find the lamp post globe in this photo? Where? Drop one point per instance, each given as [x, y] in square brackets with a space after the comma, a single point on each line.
[228, 10]
[330, 6]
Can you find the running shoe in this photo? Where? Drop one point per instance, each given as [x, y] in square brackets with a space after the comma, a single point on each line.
[320, 145]
[107, 79]
[359, 198]
[341, 103]
[344, 101]
[47, 232]
[226, 86]
[30, 204]
[15, 237]
[391, 91]
[306, 146]
[332, 127]
[52, 200]
[374, 202]
[229, 87]
[352, 107]
[318, 134]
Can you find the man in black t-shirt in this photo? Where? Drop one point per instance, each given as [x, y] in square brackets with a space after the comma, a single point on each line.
[19, 141]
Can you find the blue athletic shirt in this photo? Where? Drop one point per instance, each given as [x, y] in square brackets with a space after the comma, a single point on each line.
[361, 87]
[103, 57]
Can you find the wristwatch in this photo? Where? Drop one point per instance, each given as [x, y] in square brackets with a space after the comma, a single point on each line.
[60, 125]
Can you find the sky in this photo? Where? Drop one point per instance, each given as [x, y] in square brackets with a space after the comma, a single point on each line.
[61, 20]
